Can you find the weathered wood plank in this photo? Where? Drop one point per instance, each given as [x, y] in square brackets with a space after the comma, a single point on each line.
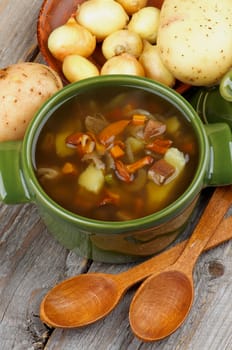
[23, 271]
[17, 30]
[32, 262]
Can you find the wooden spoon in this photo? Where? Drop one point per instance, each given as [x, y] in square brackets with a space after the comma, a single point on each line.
[163, 301]
[86, 298]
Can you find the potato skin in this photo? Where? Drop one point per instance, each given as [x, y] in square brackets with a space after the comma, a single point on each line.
[195, 39]
[23, 89]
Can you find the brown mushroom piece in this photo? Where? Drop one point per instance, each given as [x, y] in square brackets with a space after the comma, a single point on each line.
[153, 128]
[160, 171]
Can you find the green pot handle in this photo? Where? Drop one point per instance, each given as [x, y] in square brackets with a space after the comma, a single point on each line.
[13, 188]
[220, 166]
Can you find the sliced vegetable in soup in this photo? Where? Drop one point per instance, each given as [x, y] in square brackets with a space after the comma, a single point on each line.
[116, 155]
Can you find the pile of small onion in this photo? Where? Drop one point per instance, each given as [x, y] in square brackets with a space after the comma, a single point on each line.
[125, 31]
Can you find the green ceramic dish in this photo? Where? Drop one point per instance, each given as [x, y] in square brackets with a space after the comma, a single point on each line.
[105, 240]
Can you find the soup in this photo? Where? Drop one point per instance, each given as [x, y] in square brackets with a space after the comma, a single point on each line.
[116, 154]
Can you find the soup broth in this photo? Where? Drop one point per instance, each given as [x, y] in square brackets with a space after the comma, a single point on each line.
[116, 154]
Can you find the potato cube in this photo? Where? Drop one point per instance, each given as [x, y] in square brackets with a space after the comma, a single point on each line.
[175, 158]
[62, 150]
[173, 125]
[92, 179]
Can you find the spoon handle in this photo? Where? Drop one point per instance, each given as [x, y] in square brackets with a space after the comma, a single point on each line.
[214, 213]
[223, 233]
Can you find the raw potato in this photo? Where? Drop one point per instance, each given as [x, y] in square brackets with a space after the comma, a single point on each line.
[195, 39]
[24, 87]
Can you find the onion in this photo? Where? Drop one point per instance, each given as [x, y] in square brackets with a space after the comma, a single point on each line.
[145, 22]
[76, 67]
[101, 17]
[123, 64]
[120, 42]
[132, 6]
[69, 39]
[153, 65]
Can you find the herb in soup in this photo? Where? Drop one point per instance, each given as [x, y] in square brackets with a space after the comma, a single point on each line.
[117, 160]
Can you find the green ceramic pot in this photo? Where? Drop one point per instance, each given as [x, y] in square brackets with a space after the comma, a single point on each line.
[108, 241]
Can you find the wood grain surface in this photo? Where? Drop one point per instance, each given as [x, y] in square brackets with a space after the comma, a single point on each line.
[31, 261]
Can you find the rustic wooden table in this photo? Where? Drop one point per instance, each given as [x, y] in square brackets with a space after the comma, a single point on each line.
[31, 262]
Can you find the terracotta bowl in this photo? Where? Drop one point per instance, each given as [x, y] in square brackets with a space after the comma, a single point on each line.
[54, 13]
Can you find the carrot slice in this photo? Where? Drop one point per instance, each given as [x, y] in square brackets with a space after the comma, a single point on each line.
[116, 151]
[110, 131]
[138, 119]
[69, 169]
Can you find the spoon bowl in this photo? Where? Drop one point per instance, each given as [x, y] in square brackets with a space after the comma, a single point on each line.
[164, 300]
[167, 301]
[80, 300]
[86, 298]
